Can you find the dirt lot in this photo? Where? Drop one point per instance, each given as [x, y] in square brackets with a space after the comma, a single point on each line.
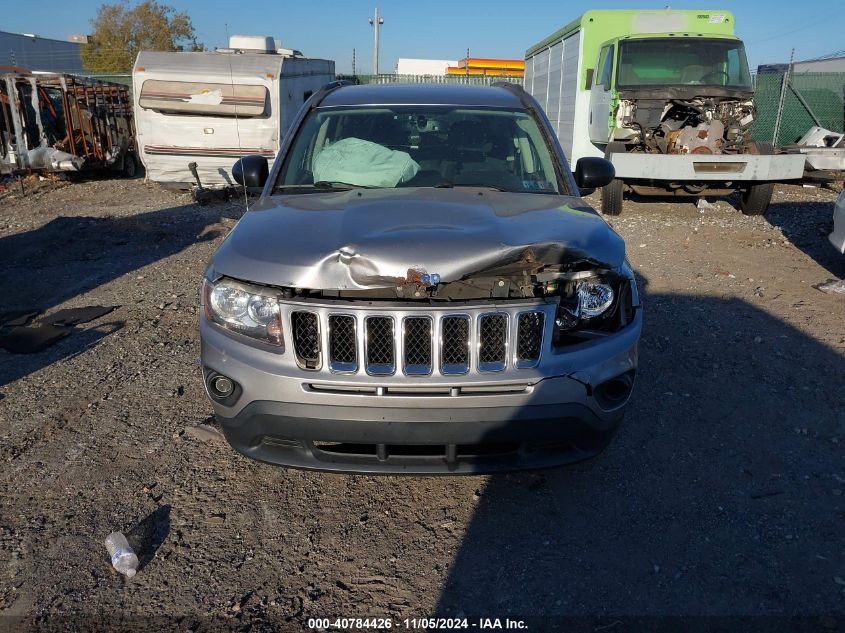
[722, 495]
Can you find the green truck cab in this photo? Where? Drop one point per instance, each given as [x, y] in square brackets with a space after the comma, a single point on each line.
[666, 95]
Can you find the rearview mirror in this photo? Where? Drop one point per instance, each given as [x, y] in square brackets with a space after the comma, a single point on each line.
[592, 172]
[251, 171]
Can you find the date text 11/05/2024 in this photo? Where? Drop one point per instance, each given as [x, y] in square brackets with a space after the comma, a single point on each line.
[415, 624]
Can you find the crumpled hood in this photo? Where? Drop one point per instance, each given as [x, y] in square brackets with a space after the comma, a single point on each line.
[371, 238]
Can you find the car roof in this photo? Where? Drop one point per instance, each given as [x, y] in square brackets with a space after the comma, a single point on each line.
[422, 94]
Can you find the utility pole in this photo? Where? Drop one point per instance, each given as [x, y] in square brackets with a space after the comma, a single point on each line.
[353, 63]
[376, 21]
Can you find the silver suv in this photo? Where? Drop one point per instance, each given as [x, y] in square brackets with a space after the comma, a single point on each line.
[420, 289]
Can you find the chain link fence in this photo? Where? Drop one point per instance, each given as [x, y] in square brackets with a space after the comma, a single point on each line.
[470, 80]
[789, 104]
[115, 78]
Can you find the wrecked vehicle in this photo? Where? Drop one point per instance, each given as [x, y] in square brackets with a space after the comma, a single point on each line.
[420, 289]
[666, 96]
[64, 124]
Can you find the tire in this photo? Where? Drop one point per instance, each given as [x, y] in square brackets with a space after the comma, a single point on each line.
[755, 199]
[612, 194]
[130, 166]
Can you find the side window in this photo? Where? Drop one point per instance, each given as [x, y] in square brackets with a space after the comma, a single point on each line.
[733, 70]
[597, 78]
[605, 75]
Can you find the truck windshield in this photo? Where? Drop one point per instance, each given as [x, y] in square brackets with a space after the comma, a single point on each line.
[419, 146]
[682, 62]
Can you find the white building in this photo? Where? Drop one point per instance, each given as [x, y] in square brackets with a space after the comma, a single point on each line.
[408, 66]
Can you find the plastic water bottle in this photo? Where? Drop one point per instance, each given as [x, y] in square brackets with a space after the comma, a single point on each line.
[123, 559]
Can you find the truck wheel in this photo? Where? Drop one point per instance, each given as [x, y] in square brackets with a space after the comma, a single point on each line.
[755, 199]
[611, 195]
[130, 166]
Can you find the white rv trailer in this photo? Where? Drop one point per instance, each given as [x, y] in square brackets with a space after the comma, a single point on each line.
[210, 108]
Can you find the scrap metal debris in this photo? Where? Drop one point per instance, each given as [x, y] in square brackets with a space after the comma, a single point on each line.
[833, 286]
[17, 336]
[63, 123]
[32, 338]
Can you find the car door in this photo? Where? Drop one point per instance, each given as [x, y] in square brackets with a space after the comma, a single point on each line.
[601, 95]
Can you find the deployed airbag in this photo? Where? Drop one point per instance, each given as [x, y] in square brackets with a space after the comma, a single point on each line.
[359, 162]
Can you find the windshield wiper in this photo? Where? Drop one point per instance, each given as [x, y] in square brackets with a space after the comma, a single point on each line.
[450, 185]
[339, 186]
[324, 185]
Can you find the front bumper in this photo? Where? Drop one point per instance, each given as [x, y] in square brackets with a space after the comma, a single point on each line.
[545, 416]
[708, 167]
[419, 441]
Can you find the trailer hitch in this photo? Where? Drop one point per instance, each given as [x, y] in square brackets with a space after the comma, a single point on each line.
[200, 195]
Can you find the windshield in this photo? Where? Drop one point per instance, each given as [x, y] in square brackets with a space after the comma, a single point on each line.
[419, 146]
[682, 62]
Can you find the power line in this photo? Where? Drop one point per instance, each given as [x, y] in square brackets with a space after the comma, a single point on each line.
[834, 54]
[791, 31]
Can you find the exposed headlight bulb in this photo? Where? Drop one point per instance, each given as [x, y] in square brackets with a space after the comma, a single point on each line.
[593, 299]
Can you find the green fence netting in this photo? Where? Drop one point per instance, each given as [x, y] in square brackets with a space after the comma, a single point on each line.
[809, 99]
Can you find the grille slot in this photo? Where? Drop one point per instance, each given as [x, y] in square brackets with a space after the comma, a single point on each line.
[380, 349]
[529, 338]
[343, 346]
[417, 345]
[306, 339]
[454, 342]
[492, 342]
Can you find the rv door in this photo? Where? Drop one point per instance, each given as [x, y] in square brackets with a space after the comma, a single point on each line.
[601, 95]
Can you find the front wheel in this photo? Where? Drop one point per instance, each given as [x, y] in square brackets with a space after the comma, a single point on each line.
[611, 195]
[755, 199]
[130, 166]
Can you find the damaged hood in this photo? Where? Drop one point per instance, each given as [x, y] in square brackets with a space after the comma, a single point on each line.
[377, 238]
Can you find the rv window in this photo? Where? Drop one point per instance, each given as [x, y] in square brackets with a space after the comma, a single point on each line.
[202, 98]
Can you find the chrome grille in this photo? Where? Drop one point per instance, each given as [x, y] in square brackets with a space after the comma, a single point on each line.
[306, 338]
[343, 348]
[417, 345]
[380, 353]
[454, 345]
[492, 342]
[529, 338]
[418, 341]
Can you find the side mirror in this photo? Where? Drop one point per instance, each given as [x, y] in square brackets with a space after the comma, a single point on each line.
[251, 171]
[592, 172]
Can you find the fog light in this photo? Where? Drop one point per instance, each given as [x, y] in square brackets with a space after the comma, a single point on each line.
[614, 392]
[222, 386]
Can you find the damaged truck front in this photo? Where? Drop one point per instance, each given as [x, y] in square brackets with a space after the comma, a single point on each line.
[64, 123]
[420, 289]
[667, 97]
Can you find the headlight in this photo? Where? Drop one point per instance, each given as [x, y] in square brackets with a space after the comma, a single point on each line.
[590, 299]
[593, 299]
[248, 310]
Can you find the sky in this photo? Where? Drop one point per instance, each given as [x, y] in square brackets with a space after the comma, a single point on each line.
[437, 29]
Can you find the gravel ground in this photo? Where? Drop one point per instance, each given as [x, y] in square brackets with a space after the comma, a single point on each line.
[722, 495]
